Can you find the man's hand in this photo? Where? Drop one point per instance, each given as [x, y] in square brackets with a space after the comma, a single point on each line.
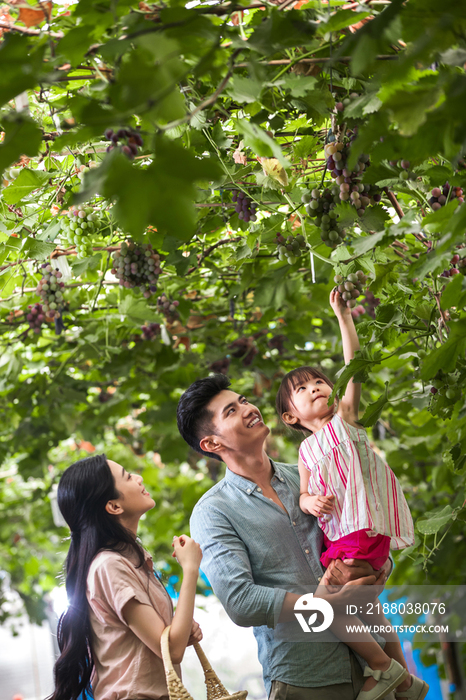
[340, 572]
[196, 634]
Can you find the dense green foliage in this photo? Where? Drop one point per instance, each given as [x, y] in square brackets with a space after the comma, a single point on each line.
[196, 99]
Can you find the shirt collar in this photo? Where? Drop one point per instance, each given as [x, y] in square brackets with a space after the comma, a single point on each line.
[245, 484]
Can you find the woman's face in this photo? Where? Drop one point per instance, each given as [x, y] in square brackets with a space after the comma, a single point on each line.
[133, 498]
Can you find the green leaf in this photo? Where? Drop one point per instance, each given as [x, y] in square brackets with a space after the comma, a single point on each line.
[37, 249]
[244, 89]
[444, 358]
[137, 309]
[430, 524]
[260, 142]
[22, 137]
[453, 293]
[374, 219]
[359, 368]
[27, 181]
[374, 410]
[342, 19]
[21, 67]
[363, 244]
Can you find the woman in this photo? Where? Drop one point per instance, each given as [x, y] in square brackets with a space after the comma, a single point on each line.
[109, 637]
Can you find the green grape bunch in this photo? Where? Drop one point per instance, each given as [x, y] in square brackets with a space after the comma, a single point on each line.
[79, 227]
[290, 248]
[50, 291]
[350, 287]
[320, 206]
[137, 266]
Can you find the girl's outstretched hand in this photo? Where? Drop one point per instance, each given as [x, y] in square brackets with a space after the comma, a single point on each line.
[338, 305]
[187, 552]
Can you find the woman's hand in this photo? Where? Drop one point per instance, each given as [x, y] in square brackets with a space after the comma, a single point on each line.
[196, 634]
[187, 552]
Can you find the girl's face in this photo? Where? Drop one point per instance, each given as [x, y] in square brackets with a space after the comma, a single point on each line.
[309, 403]
[133, 500]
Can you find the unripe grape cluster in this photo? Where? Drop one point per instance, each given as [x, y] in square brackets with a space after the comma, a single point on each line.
[290, 248]
[127, 140]
[78, 228]
[441, 195]
[446, 385]
[35, 317]
[320, 206]
[150, 331]
[340, 106]
[350, 287]
[244, 206]
[167, 307]
[50, 291]
[405, 172]
[137, 266]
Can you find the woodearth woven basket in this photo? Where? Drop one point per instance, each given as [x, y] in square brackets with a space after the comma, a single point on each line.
[176, 689]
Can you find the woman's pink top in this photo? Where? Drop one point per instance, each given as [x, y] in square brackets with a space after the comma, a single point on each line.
[368, 495]
[125, 669]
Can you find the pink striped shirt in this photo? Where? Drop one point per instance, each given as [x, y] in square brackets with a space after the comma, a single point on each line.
[367, 494]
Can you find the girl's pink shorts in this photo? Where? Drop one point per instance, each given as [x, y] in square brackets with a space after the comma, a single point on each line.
[358, 545]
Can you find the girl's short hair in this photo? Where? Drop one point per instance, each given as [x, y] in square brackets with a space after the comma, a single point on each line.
[284, 400]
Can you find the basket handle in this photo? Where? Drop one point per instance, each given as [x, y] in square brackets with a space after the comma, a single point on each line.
[165, 646]
[209, 673]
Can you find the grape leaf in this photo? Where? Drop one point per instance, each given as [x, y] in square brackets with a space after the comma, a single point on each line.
[260, 142]
[452, 295]
[430, 525]
[37, 249]
[358, 368]
[374, 410]
[374, 219]
[26, 182]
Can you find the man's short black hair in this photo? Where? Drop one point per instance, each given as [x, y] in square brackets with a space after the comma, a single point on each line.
[194, 419]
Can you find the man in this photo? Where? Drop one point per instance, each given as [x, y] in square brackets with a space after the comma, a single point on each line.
[259, 548]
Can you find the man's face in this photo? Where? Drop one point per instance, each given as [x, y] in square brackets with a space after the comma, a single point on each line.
[238, 424]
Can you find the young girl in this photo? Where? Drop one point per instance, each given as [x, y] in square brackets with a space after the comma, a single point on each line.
[354, 494]
[109, 637]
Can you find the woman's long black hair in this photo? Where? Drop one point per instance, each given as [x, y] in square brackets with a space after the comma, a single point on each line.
[83, 492]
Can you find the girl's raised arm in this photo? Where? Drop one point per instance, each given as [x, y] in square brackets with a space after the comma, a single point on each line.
[349, 403]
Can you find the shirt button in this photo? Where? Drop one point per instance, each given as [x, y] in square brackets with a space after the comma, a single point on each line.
[282, 479]
[259, 489]
[319, 578]
[307, 551]
[248, 491]
[294, 522]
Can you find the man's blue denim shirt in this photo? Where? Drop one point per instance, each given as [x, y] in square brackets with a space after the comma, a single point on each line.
[253, 554]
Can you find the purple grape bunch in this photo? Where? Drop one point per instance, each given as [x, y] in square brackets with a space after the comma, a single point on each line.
[348, 186]
[458, 265]
[150, 331]
[244, 206]
[167, 307]
[35, 317]
[127, 140]
[320, 206]
[350, 287]
[442, 195]
[50, 291]
[137, 266]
